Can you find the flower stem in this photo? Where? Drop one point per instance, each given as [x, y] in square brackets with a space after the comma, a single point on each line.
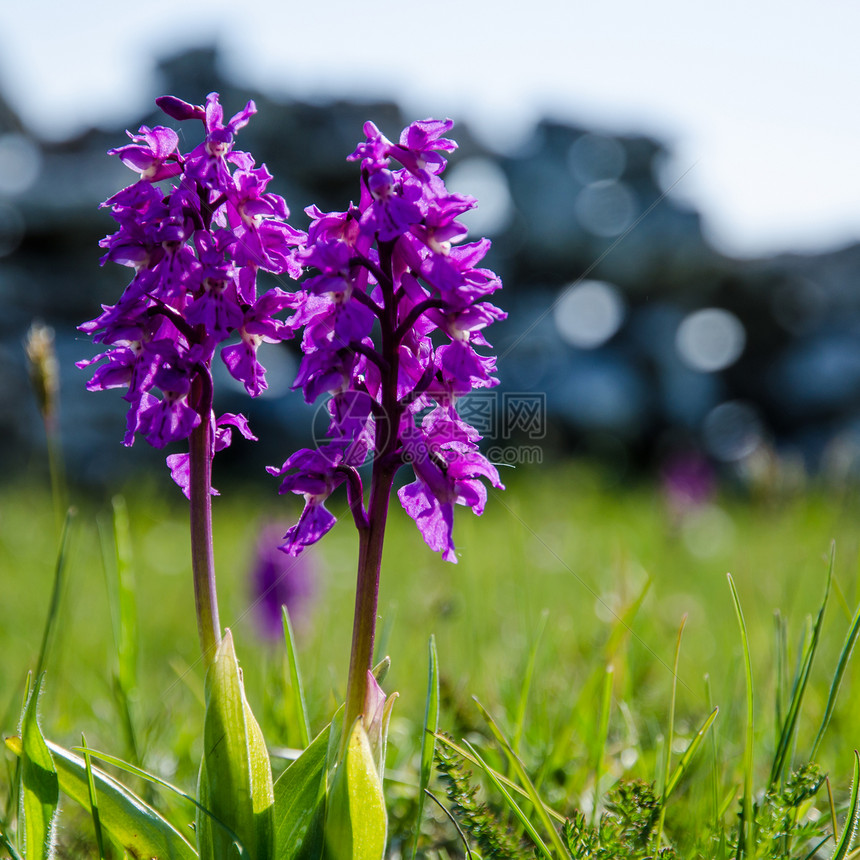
[367, 594]
[381, 481]
[202, 555]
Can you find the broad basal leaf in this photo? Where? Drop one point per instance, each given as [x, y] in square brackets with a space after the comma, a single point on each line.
[134, 825]
[300, 803]
[40, 788]
[235, 776]
[356, 822]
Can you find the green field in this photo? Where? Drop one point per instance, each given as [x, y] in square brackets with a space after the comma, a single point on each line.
[564, 549]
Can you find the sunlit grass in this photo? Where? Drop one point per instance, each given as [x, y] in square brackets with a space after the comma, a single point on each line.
[606, 565]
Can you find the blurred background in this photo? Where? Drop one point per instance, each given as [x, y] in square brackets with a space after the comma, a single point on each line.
[672, 191]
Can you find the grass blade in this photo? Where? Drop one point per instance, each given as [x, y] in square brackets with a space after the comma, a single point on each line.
[602, 735]
[94, 801]
[843, 846]
[814, 852]
[747, 837]
[512, 804]
[428, 745]
[834, 824]
[9, 847]
[715, 771]
[127, 635]
[842, 665]
[528, 675]
[382, 640]
[14, 783]
[506, 781]
[780, 759]
[453, 821]
[687, 757]
[781, 642]
[119, 578]
[56, 593]
[528, 785]
[296, 678]
[622, 627]
[670, 739]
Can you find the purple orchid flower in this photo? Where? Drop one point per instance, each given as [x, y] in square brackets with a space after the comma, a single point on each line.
[195, 252]
[394, 261]
[393, 316]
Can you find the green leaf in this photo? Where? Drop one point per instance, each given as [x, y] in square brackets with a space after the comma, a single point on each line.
[850, 829]
[356, 824]
[235, 782]
[132, 824]
[428, 746]
[40, 788]
[380, 670]
[381, 752]
[296, 678]
[299, 813]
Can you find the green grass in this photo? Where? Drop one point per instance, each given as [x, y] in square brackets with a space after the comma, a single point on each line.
[562, 548]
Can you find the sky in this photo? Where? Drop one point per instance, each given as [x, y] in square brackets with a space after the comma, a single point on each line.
[757, 100]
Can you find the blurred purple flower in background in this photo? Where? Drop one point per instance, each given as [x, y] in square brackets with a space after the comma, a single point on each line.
[688, 481]
[276, 580]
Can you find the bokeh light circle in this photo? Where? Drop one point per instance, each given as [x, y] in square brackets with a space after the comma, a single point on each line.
[710, 339]
[486, 181]
[20, 163]
[605, 208]
[596, 157]
[732, 431]
[588, 313]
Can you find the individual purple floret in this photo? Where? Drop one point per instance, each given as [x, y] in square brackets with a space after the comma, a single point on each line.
[195, 248]
[315, 474]
[393, 318]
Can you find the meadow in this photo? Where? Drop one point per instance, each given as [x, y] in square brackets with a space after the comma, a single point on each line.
[592, 621]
